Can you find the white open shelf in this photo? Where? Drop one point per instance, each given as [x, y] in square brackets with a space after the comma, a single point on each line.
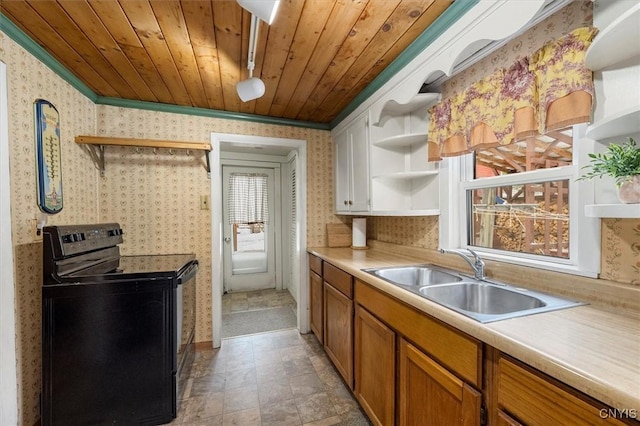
[621, 211]
[623, 123]
[419, 101]
[425, 212]
[407, 175]
[617, 42]
[401, 141]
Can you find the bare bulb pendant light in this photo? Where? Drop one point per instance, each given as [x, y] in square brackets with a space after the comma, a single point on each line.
[251, 88]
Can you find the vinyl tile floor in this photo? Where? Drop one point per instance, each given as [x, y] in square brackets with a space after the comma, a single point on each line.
[257, 311]
[276, 378]
[256, 300]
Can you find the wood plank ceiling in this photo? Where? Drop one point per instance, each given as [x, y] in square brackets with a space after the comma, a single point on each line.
[314, 59]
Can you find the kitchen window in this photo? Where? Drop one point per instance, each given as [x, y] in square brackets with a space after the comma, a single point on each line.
[513, 144]
[520, 213]
[522, 203]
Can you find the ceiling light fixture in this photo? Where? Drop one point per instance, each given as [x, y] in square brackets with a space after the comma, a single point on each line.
[263, 9]
[251, 88]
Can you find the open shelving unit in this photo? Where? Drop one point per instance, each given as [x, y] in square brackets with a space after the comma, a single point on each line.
[622, 123]
[96, 146]
[616, 49]
[404, 182]
[620, 211]
[392, 108]
[401, 141]
[616, 43]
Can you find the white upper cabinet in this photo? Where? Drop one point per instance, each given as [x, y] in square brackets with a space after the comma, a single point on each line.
[352, 168]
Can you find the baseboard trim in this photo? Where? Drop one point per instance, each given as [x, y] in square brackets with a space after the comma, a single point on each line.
[204, 345]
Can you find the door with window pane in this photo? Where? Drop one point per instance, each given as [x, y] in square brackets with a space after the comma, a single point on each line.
[248, 228]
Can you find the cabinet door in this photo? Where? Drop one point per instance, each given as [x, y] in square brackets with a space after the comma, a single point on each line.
[375, 361]
[360, 165]
[342, 170]
[430, 395]
[315, 305]
[338, 331]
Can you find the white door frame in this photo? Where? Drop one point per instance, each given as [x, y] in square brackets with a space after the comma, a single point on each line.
[216, 223]
[8, 372]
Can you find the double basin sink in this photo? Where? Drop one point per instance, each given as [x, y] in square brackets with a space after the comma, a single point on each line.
[481, 300]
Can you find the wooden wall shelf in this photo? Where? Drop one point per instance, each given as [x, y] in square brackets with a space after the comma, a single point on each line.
[96, 146]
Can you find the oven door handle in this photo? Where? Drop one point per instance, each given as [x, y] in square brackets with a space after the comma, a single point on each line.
[189, 273]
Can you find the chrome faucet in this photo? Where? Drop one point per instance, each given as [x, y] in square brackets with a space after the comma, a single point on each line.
[477, 264]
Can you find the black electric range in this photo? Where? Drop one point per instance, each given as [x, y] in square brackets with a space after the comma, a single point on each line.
[118, 331]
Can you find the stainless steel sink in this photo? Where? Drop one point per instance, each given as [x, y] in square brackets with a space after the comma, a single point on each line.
[415, 276]
[483, 300]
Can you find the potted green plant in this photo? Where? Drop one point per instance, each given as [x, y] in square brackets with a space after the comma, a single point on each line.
[621, 162]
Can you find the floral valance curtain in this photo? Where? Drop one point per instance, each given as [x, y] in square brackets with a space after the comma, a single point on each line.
[549, 90]
[248, 200]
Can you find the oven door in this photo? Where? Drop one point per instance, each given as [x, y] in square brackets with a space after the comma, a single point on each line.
[185, 324]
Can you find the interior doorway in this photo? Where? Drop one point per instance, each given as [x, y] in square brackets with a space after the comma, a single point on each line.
[294, 150]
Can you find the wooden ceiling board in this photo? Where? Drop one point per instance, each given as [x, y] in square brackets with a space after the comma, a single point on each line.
[58, 19]
[116, 22]
[312, 21]
[227, 18]
[362, 72]
[279, 43]
[27, 19]
[146, 26]
[343, 17]
[431, 10]
[314, 59]
[92, 27]
[174, 30]
[368, 24]
[199, 19]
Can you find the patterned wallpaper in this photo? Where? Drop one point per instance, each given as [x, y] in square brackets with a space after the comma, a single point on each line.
[156, 197]
[148, 193]
[620, 260]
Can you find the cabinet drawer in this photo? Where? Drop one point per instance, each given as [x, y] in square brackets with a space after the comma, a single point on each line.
[460, 353]
[315, 264]
[339, 279]
[536, 400]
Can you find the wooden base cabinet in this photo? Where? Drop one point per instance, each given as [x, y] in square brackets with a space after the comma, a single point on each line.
[338, 331]
[316, 309]
[534, 399]
[410, 368]
[375, 352]
[429, 394]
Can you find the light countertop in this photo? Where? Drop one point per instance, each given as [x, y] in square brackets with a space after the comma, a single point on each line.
[594, 350]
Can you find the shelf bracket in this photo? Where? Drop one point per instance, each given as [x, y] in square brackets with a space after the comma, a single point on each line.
[207, 166]
[97, 156]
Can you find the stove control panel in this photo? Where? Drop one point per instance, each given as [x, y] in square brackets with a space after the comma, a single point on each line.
[66, 240]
